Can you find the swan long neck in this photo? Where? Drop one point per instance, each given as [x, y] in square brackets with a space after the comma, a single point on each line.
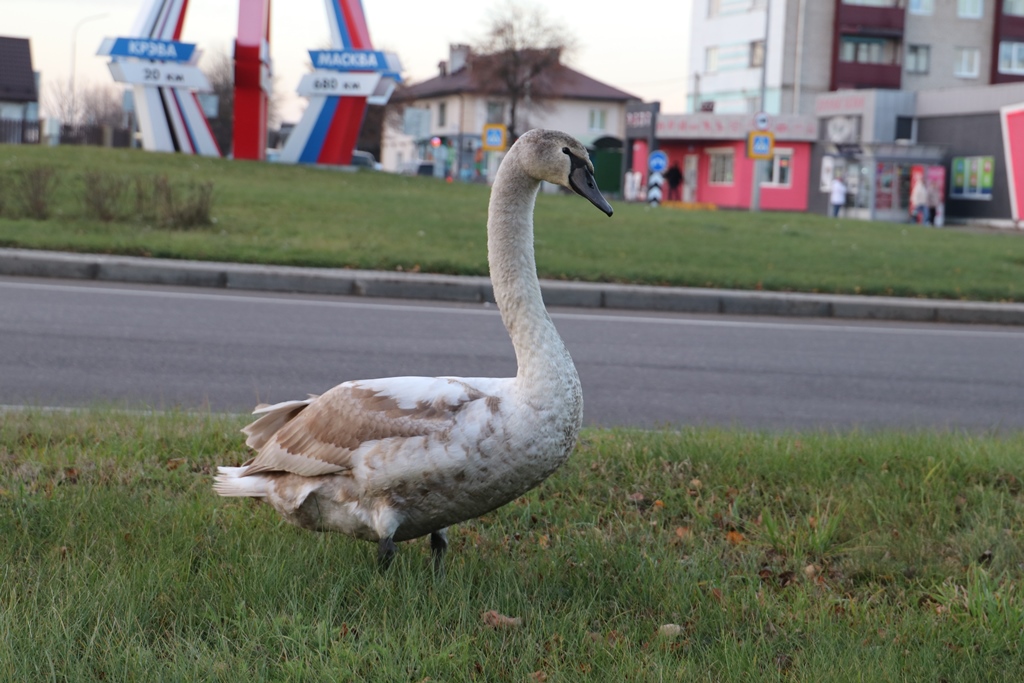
[540, 353]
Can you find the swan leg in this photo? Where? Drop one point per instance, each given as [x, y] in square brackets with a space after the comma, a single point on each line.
[386, 550]
[438, 547]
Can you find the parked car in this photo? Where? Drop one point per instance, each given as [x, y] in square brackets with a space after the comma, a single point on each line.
[418, 167]
[361, 159]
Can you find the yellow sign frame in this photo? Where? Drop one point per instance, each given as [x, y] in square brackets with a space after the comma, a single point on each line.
[503, 129]
[753, 135]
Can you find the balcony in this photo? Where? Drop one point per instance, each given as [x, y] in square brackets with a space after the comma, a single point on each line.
[865, 20]
[855, 75]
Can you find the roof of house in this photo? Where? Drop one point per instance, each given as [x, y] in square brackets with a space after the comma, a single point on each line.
[17, 81]
[571, 84]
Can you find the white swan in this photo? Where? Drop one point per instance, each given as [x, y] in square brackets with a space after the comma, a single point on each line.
[393, 459]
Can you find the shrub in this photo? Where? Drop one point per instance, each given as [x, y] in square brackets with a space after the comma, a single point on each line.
[103, 194]
[36, 187]
[174, 206]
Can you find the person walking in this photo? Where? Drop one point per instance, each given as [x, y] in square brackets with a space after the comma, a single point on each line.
[674, 178]
[838, 196]
[919, 201]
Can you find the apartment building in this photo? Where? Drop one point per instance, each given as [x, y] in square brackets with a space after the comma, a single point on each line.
[808, 48]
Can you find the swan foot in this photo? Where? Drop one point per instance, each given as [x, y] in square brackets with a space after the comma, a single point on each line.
[438, 547]
[386, 550]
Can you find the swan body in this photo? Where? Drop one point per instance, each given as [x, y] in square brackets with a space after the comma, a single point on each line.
[394, 459]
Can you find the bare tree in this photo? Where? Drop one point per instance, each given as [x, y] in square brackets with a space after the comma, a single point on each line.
[60, 102]
[219, 68]
[220, 71]
[519, 58]
[102, 104]
[78, 105]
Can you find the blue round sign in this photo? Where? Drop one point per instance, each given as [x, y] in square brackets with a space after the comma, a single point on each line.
[657, 161]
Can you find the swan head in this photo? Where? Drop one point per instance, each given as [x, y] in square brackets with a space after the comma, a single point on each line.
[562, 160]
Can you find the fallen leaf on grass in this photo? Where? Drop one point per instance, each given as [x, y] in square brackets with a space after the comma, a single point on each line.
[810, 571]
[636, 497]
[684, 533]
[543, 541]
[174, 463]
[734, 537]
[496, 620]
[538, 676]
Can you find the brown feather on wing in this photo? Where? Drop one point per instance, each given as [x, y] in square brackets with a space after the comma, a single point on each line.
[320, 437]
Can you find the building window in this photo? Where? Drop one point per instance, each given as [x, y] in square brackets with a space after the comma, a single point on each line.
[970, 9]
[1011, 57]
[873, 3]
[711, 60]
[1013, 8]
[597, 120]
[968, 61]
[917, 59]
[720, 167]
[867, 50]
[779, 170]
[720, 7]
[921, 6]
[495, 112]
[442, 114]
[904, 128]
[757, 54]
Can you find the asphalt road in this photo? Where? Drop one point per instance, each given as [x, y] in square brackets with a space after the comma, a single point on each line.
[65, 343]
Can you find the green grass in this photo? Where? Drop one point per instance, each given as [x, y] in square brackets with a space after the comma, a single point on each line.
[803, 557]
[313, 217]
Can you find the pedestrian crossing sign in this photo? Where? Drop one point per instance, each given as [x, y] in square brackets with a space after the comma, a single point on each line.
[760, 145]
[494, 137]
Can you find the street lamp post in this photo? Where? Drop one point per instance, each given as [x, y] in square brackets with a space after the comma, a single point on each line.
[74, 54]
[755, 192]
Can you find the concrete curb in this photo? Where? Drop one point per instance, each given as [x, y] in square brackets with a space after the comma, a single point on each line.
[50, 264]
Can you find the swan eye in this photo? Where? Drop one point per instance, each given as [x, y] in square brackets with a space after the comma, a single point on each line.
[565, 150]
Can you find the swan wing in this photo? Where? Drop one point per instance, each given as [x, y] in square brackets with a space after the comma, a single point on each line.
[320, 435]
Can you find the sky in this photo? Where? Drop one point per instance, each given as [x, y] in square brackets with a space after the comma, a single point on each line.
[642, 49]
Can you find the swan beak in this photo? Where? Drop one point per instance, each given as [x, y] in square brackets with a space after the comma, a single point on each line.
[582, 182]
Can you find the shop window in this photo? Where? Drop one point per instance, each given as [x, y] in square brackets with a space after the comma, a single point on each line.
[967, 64]
[779, 170]
[921, 6]
[918, 57]
[1011, 57]
[1013, 8]
[720, 164]
[970, 9]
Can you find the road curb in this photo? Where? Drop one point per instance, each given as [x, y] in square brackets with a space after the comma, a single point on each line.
[337, 281]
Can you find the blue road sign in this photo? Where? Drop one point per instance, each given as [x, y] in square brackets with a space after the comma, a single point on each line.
[146, 48]
[494, 137]
[353, 60]
[760, 145]
[657, 162]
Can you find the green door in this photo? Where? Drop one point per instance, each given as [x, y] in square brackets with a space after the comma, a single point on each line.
[607, 169]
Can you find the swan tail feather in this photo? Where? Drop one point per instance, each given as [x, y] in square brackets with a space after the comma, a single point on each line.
[232, 482]
[272, 418]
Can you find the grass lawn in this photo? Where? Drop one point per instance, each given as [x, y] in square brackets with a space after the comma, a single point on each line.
[279, 214]
[651, 556]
